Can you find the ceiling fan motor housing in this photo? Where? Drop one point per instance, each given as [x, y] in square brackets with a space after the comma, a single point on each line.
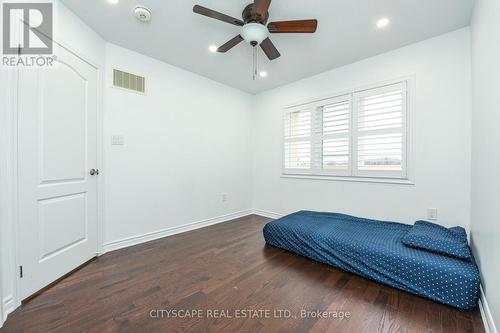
[248, 17]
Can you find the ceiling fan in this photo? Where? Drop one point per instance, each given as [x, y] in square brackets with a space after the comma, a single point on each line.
[254, 30]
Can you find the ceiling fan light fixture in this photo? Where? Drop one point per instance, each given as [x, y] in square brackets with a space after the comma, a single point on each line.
[254, 33]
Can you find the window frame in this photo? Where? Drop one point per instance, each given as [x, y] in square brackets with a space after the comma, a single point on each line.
[353, 174]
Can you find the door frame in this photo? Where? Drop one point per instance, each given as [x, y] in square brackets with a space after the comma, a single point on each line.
[10, 194]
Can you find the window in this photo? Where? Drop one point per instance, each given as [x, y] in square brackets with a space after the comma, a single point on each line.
[362, 134]
[298, 140]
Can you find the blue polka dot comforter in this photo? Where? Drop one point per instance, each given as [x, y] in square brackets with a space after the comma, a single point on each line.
[373, 249]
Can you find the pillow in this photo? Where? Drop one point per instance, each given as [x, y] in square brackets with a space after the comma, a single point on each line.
[438, 239]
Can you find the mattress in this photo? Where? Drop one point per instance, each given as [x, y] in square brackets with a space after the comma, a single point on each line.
[373, 249]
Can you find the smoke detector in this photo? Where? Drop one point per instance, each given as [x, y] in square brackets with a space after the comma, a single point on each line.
[142, 13]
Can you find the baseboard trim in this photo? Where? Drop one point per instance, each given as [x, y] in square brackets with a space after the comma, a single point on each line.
[489, 324]
[134, 240]
[268, 214]
[8, 306]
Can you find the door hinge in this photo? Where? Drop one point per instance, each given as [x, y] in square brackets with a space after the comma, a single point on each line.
[21, 272]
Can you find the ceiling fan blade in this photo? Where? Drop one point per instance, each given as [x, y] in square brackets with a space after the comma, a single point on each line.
[229, 45]
[260, 9]
[269, 49]
[299, 26]
[216, 15]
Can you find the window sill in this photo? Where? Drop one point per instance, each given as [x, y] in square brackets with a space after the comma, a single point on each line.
[352, 179]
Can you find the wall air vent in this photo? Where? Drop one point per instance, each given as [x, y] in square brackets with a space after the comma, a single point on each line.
[129, 81]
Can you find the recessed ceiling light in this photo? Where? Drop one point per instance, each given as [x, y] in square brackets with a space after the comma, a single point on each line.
[383, 22]
[263, 74]
[114, 2]
[212, 48]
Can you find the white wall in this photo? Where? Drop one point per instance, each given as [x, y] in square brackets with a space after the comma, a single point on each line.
[72, 32]
[485, 222]
[187, 141]
[442, 163]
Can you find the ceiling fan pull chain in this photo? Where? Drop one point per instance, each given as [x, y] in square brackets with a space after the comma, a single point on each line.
[256, 62]
[254, 72]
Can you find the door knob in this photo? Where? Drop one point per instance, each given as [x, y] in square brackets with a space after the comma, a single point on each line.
[94, 172]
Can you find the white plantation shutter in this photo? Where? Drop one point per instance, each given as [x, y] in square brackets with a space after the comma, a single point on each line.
[297, 141]
[332, 136]
[363, 134]
[381, 131]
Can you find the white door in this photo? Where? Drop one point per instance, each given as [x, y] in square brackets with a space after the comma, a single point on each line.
[57, 147]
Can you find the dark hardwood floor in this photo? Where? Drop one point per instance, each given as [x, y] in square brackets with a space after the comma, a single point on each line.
[226, 267]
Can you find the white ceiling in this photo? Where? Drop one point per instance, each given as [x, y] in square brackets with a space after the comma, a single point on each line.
[346, 33]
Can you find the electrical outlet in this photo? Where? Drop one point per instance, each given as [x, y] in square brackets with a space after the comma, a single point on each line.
[432, 214]
[224, 197]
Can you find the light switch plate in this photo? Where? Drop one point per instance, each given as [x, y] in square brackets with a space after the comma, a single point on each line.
[117, 140]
